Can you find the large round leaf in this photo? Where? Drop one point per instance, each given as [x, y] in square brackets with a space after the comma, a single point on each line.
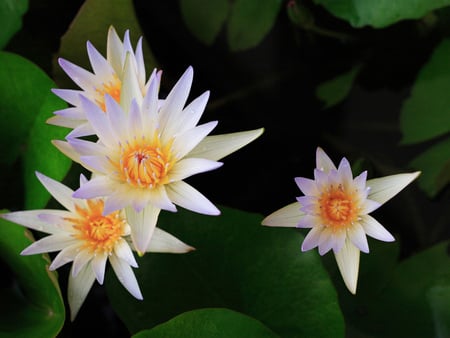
[33, 307]
[209, 323]
[239, 265]
[11, 12]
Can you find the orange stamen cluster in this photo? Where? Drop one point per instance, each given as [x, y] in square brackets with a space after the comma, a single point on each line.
[145, 163]
[99, 233]
[112, 87]
[338, 208]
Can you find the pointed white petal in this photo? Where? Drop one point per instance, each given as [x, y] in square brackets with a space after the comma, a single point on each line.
[81, 260]
[97, 187]
[78, 289]
[217, 147]
[185, 142]
[323, 162]
[71, 96]
[189, 198]
[80, 76]
[357, 236]
[98, 264]
[59, 191]
[384, 188]
[31, 220]
[65, 256]
[312, 239]
[115, 201]
[114, 50]
[63, 121]
[126, 276]
[67, 150]
[191, 166]
[375, 230]
[192, 113]
[288, 216]
[142, 226]
[307, 186]
[130, 86]
[100, 66]
[123, 251]
[157, 197]
[49, 244]
[348, 262]
[162, 241]
[139, 56]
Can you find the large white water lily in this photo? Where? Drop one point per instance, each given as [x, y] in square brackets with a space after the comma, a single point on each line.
[336, 207]
[143, 155]
[89, 238]
[121, 75]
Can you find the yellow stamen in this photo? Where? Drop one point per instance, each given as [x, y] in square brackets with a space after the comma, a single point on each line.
[145, 163]
[99, 233]
[338, 208]
[113, 87]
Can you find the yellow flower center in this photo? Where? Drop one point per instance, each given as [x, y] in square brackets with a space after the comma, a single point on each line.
[112, 87]
[338, 208]
[99, 233]
[145, 163]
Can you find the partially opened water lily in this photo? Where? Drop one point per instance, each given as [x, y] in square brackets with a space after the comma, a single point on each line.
[336, 208]
[143, 155]
[121, 75]
[89, 238]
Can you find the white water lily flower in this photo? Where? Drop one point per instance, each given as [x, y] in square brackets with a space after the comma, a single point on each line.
[142, 156]
[121, 75]
[336, 207]
[88, 238]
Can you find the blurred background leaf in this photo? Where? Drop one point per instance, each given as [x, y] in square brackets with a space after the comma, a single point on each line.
[239, 265]
[205, 19]
[92, 23]
[11, 13]
[209, 323]
[31, 305]
[381, 13]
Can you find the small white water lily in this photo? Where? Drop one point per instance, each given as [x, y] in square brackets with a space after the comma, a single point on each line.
[336, 207]
[143, 155]
[88, 238]
[121, 75]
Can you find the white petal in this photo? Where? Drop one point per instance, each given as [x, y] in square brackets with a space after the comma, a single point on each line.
[49, 244]
[65, 256]
[326, 241]
[126, 276]
[162, 241]
[192, 113]
[130, 86]
[115, 201]
[191, 166]
[63, 121]
[67, 150]
[78, 289]
[218, 146]
[348, 262]
[81, 260]
[312, 239]
[69, 95]
[31, 220]
[80, 76]
[323, 162]
[288, 216]
[96, 163]
[307, 186]
[188, 140]
[100, 66]
[159, 198]
[59, 191]
[174, 103]
[123, 251]
[87, 148]
[114, 51]
[358, 237]
[97, 187]
[384, 188]
[142, 226]
[187, 197]
[308, 221]
[139, 56]
[98, 264]
[374, 229]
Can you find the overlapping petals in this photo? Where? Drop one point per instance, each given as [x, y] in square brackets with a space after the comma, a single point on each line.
[88, 239]
[336, 207]
[144, 154]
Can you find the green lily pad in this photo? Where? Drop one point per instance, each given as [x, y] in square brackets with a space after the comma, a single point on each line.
[33, 307]
[209, 323]
[381, 13]
[240, 265]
